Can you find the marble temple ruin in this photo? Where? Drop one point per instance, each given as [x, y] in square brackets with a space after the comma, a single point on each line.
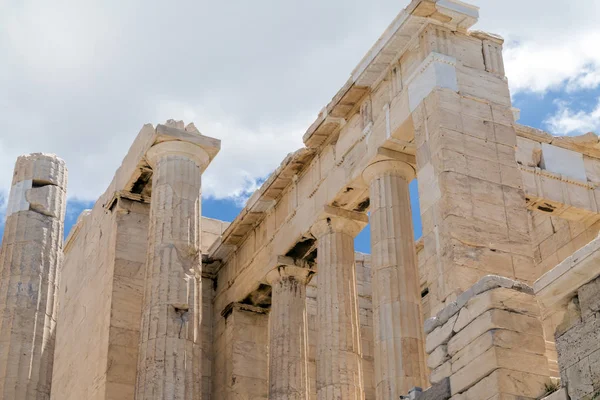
[500, 299]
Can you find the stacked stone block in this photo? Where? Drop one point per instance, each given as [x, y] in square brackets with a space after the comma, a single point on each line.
[570, 295]
[472, 201]
[578, 344]
[488, 344]
[30, 262]
[554, 240]
[130, 247]
[241, 347]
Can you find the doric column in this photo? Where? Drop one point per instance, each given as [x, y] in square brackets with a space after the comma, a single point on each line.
[397, 321]
[30, 262]
[170, 349]
[288, 368]
[339, 372]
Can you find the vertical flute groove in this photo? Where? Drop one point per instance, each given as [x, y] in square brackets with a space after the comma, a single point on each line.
[288, 373]
[398, 336]
[339, 369]
[169, 365]
[30, 262]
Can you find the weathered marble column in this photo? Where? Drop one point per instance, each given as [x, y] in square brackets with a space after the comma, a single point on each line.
[397, 321]
[170, 357]
[30, 262]
[288, 368]
[339, 372]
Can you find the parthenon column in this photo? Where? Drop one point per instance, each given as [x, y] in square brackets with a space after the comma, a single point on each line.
[397, 321]
[30, 264]
[339, 372]
[170, 346]
[288, 368]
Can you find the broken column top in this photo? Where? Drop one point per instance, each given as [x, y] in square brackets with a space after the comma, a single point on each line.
[42, 169]
[39, 184]
[173, 130]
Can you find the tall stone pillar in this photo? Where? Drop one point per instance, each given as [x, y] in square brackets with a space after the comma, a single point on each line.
[339, 372]
[288, 368]
[473, 206]
[170, 357]
[397, 321]
[30, 262]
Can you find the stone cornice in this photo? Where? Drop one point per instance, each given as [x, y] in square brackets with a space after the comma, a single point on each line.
[558, 177]
[588, 144]
[261, 202]
[387, 50]
[392, 44]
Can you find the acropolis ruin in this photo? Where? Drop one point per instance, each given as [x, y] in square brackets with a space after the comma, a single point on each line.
[499, 300]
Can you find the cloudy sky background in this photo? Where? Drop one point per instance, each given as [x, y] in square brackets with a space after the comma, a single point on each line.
[79, 78]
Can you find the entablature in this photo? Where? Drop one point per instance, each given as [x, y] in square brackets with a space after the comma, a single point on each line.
[369, 119]
[561, 174]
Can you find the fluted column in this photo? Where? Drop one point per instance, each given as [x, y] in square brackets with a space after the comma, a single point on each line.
[170, 345]
[288, 368]
[339, 371]
[397, 321]
[30, 262]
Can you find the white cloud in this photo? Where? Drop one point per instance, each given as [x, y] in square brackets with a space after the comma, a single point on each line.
[538, 67]
[588, 78]
[83, 76]
[568, 121]
[534, 70]
[80, 77]
[549, 43]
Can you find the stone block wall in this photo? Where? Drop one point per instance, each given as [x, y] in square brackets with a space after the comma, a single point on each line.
[554, 240]
[84, 310]
[569, 295]
[578, 344]
[488, 344]
[473, 206]
[100, 303]
[241, 354]
[130, 230]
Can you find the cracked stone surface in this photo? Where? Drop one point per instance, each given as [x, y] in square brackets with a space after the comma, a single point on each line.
[170, 356]
[30, 261]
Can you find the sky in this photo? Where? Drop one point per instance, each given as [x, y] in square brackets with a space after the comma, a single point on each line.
[79, 78]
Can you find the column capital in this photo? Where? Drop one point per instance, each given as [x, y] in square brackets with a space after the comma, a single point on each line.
[389, 167]
[298, 274]
[178, 148]
[335, 224]
[333, 219]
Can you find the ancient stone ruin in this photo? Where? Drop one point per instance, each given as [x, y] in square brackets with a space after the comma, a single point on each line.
[148, 300]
